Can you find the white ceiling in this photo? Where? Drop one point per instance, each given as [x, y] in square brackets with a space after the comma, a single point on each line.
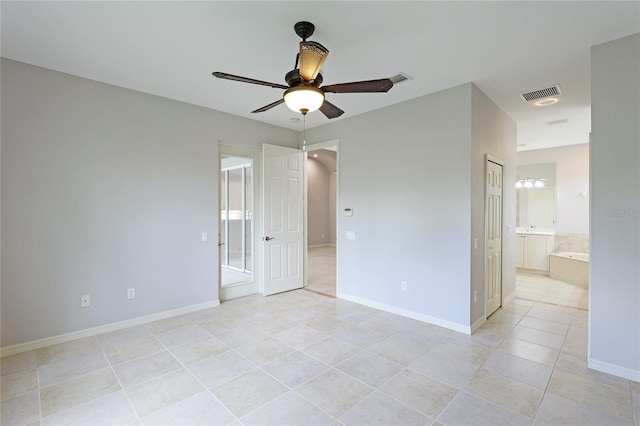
[170, 49]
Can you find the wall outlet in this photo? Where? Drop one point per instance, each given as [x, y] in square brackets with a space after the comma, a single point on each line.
[351, 235]
[475, 296]
[131, 293]
[85, 301]
[204, 237]
[403, 286]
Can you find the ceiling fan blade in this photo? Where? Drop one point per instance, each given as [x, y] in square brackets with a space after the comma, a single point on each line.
[330, 110]
[248, 80]
[312, 56]
[271, 105]
[369, 86]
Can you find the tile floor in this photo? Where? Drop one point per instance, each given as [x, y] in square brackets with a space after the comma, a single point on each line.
[321, 270]
[304, 358]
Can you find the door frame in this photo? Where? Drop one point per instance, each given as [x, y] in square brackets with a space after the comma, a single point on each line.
[501, 163]
[313, 147]
[255, 286]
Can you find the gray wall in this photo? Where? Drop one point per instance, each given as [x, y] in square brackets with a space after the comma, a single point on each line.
[614, 334]
[494, 133]
[318, 207]
[411, 198]
[103, 189]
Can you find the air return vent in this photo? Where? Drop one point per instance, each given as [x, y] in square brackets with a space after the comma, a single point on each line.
[399, 78]
[545, 92]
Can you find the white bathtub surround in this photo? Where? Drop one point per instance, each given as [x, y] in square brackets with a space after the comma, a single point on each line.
[570, 267]
[572, 242]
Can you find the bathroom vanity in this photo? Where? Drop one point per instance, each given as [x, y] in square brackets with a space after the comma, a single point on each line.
[533, 249]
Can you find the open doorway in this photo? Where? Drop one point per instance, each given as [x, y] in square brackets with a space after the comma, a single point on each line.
[322, 185]
[237, 224]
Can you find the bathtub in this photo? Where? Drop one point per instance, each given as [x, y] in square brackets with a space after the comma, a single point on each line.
[570, 267]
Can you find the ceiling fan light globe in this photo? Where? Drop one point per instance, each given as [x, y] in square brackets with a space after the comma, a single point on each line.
[301, 98]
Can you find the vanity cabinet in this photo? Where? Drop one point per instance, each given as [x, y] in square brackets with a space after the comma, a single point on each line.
[533, 251]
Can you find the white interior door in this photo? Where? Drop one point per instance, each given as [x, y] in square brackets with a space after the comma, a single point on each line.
[283, 226]
[493, 206]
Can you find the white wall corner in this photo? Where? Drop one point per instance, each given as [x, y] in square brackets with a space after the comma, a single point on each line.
[509, 298]
[94, 331]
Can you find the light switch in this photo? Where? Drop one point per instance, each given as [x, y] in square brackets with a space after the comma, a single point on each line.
[351, 235]
[348, 212]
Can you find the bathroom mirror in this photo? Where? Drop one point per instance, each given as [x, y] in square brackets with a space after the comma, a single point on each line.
[536, 206]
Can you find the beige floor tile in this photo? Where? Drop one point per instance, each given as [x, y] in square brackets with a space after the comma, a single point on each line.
[288, 409]
[300, 336]
[71, 366]
[221, 323]
[220, 368]
[18, 362]
[360, 336]
[577, 365]
[201, 409]
[545, 325]
[334, 392]
[248, 392]
[146, 368]
[506, 392]
[74, 348]
[118, 353]
[420, 392]
[540, 337]
[154, 395]
[327, 324]
[265, 350]
[450, 370]
[331, 350]
[123, 336]
[369, 368]
[531, 351]
[110, 409]
[167, 324]
[241, 336]
[585, 391]
[383, 324]
[275, 325]
[379, 409]
[21, 410]
[557, 410]
[15, 384]
[199, 350]
[398, 349]
[295, 369]
[469, 410]
[182, 335]
[520, 369]
[65, 395]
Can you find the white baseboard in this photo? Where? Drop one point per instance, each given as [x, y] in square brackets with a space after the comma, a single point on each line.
[408, 314]
[615, 370]
[87, 332]
[321, 245]
[509, 298]
[476, 325]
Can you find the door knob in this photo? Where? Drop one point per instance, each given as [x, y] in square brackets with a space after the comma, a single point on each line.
[269, 238]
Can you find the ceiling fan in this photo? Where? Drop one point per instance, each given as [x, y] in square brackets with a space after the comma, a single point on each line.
[304, 91]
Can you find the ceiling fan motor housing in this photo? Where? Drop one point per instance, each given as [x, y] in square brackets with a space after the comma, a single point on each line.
[293, 79]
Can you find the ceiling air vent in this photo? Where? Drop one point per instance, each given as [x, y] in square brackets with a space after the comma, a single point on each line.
[545, 92]
[399, 78]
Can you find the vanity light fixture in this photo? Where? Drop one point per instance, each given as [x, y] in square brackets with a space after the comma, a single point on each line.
[530, 183]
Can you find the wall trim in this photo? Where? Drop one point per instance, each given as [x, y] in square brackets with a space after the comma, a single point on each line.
[476, 325]
[509, 298]
[88, 332]
[615, 370]
[408, 314]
